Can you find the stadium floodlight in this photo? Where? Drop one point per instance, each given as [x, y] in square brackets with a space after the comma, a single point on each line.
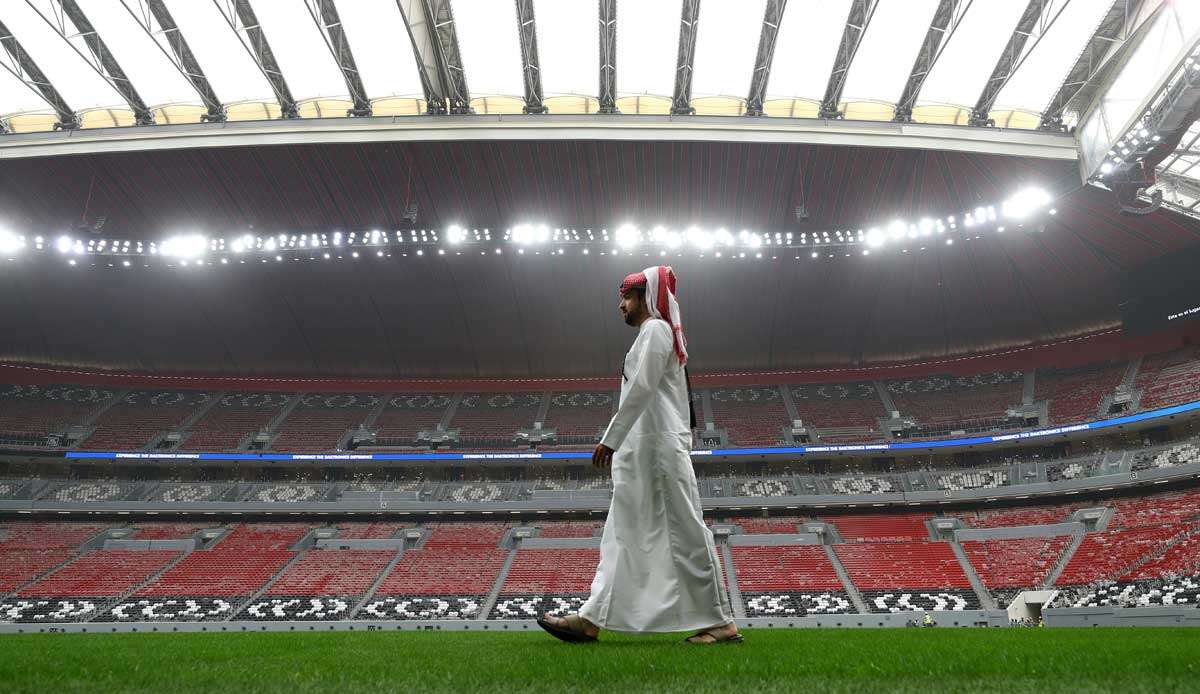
[64, 244]
[699, 237]
[184, 246]
[522, 234]
[455, 234]
[897, 229]
[10, 242]
[627, 236]
[674, 239]
[1026, 202]
[875, 237]
[926, 226]
[724, 237]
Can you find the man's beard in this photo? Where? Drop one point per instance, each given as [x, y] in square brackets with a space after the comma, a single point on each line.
[630, 319]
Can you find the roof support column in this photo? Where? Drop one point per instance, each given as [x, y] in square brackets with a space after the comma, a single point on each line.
[430, 26]
[531, 67]
[608, 56]
[772, 17]
[857, 20]
[681, 103]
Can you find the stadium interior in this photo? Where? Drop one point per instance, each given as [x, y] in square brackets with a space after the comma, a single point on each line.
[297, 329]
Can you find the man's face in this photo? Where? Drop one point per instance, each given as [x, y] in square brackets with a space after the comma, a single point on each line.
[631, 307]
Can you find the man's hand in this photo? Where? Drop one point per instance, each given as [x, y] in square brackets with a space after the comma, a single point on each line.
[602, 456]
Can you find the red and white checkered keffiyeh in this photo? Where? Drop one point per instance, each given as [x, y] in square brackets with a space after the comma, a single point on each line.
[659, 283]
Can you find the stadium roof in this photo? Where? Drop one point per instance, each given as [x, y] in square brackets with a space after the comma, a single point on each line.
[117, 62]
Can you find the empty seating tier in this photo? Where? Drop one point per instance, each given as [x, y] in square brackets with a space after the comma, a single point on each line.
[331, 573]
[578, 418]
[407, 415]
[42, 410]
[101, 574]
[880, 527]
[1169, 379]
[1025, 515]
[134, 421]
[941, 404]
[1015, 563]
[492, 419]
[1106, 555]
[751, 416]
[852, 410]
[232, 420]
[1075, 394]
[320, 421]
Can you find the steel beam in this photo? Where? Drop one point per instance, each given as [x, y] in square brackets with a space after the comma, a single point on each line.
[1115, 28]
[155, 19]
[324, 13]
[857, 21]
[97, 55]
[16, 60]
[608, 56]
[244, 23]
[531, 67]
[772, 17]
[430, 25]
[1036, 20]
[946, 19]
[681, 102]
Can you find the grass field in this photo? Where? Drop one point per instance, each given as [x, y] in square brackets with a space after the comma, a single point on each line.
[919, 660]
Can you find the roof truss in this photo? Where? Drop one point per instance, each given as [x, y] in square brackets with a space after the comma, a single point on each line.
[430, 26]
[57, 14]
[946, 19]
[244, 23]
[1036, 20]
[324, 13]
[681, 102]
[857, 20]
[763, 59]
[16, 60]
[531, 69]
[155, 19]
[608, 56]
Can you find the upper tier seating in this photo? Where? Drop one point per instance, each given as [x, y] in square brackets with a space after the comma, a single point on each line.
[1107, 554]
[973, 479]
[854, 408]
[168, 531]
[332, 572]
[457, 559]
[1075, 394]
[1015, 563]
[1181, 454]
[407, 415]
[889, 565]
[1024, 515]
[238, 565]
[551, 571]
[579, 418]
[46, 409]
[784, 568]
[881, 527]
[863, 484]
[141, 415]
[321, 419]
[101, 574]
[944, 403]
[752, 416]
[569, 528]
[369, 531]
[232, 420]
[1169, 378]
[492, 419]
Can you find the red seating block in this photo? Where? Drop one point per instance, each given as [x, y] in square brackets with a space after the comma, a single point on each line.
[888, 565]
[1015, 563]
[332, 572]
[100, 574]
[881, 527]
[784, 568]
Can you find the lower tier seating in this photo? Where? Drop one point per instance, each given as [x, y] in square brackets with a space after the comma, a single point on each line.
[103, 573]
[895, 565]
[1107, 554]
[880, 527]
[1015, 563]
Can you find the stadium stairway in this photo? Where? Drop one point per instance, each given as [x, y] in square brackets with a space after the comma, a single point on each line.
[299, 549]
[366, 598]
[856, 597]
[981, 591]
[501, 576]
[1076, 540]
[731, 580]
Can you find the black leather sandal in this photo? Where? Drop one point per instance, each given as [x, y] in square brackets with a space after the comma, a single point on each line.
[569, 635]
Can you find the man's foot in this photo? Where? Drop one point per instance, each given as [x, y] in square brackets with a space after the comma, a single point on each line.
[569, 627]
[724, 633]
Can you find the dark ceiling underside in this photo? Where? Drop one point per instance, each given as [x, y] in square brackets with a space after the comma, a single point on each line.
[516, 316]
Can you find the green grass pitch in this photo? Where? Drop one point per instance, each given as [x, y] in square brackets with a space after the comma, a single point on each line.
[771, 660]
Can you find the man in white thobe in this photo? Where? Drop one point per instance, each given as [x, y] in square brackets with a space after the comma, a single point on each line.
[658, 568]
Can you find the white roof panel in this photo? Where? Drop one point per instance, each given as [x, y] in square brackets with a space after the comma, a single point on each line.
[490, 46]
[230, 70]
[647, 46]
[805, 48]
[887, 50]
[726, 43]
[304, 59]
[71, 75]
[381, 47]
[568, 34]
[969, 57]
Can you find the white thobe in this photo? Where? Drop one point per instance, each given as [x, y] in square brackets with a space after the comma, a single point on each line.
[658, 568]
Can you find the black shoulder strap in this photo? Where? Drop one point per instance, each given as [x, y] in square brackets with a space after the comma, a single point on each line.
[691, 406]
